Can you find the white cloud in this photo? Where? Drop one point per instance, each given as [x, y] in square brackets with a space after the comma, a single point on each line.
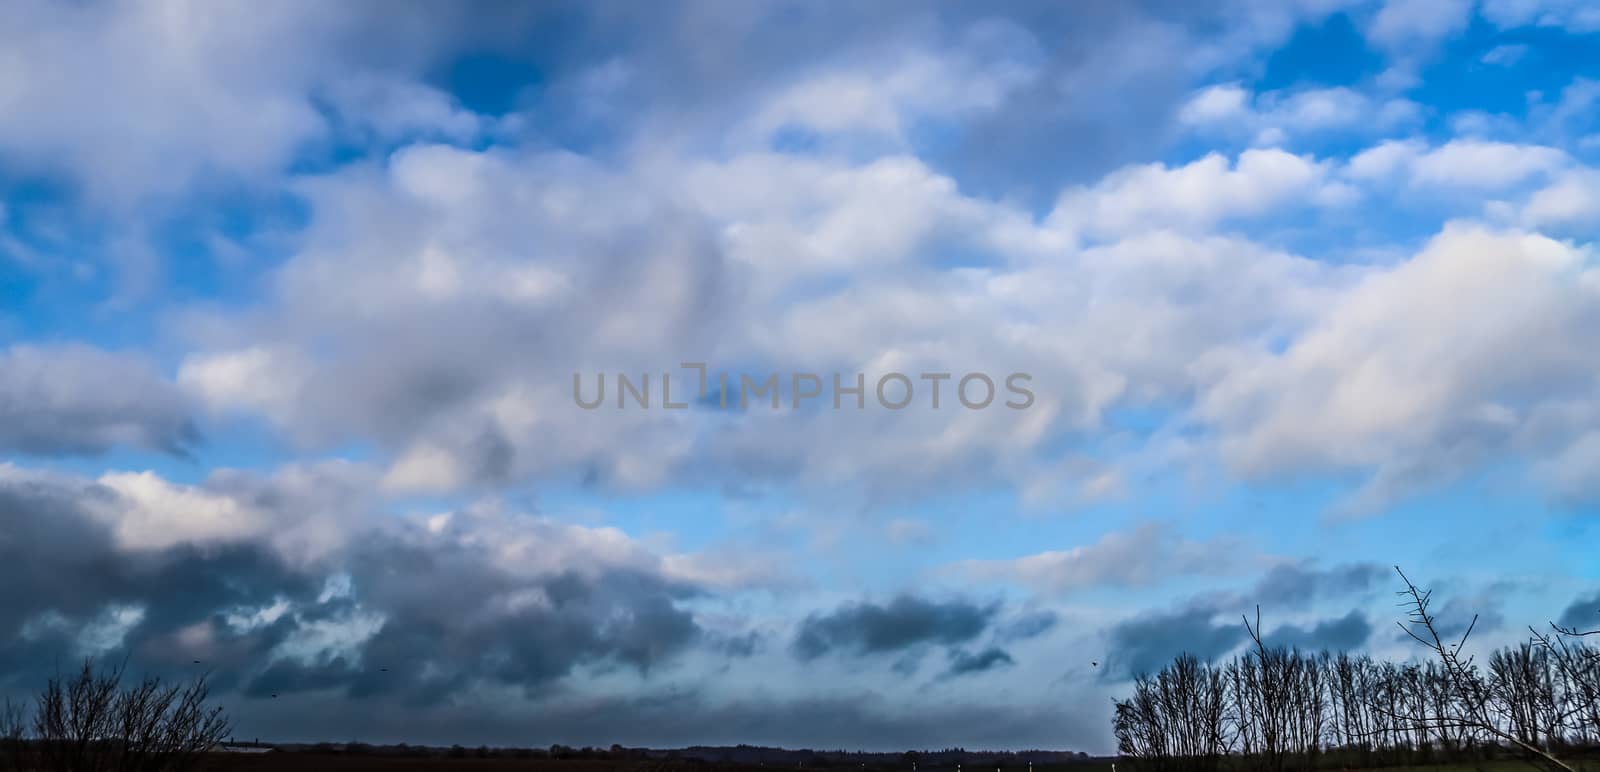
[1571, 200]
[1148, 554]
[425, 342]
[76, 399]
[1281, 117]
[306, 512]
[1400, 23]
[1421, 370]
[1198, 195]
[138, 103]
[1575, 16]
[884, 92]
[1504, 55]
[1470, 164]
[264, 381]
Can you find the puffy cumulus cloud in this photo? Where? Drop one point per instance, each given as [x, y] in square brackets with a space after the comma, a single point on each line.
[1039, 92]
[888, 92]
[767, 262]
[304, 511]
[728, 568]
[1569, 204]
[1145, 555]
[1423, 369]
[442, 301]
[441, 298]
[1402, 23]
[1198, 195]
[158, 124]
[149, 102]
[791, 218]
[258, 380]
[1281, 117]
[75, 399]
[1471, 164]
[525, 283]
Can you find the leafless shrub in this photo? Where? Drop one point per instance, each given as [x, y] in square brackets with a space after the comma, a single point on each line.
[91, 722]
[1476, 703]
[1577, 667]
[13, 735]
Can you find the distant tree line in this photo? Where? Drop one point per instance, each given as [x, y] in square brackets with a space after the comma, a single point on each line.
[1276, 708]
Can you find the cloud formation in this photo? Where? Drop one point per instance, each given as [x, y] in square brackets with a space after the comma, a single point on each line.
[74, 399]
[902, 623]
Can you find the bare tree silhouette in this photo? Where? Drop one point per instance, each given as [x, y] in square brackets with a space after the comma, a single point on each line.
[91, 722]
[1477, 703]
[1284, 709]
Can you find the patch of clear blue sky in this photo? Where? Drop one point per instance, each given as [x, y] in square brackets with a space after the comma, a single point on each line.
[99, 277]
[1333, 53]
[1457, 79]
[1453, 78]
[491, 83]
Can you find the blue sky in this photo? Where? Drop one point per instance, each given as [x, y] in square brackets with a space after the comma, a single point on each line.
[292, 296]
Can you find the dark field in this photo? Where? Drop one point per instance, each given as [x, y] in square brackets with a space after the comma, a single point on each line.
[310, 761]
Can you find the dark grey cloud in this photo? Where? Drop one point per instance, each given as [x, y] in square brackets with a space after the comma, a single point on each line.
[449, 629]
[1299, 584]
[1210, 626]
[450, 617]
[1583, 614]
[64, 575]
[744, 644]
[1030, 625]
[902, 623]
[963, 662]
[68, 400]
[1148, 641]
[436, 638]
[1346, 633]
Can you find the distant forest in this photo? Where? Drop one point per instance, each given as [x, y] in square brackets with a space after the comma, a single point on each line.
[1276, 708]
